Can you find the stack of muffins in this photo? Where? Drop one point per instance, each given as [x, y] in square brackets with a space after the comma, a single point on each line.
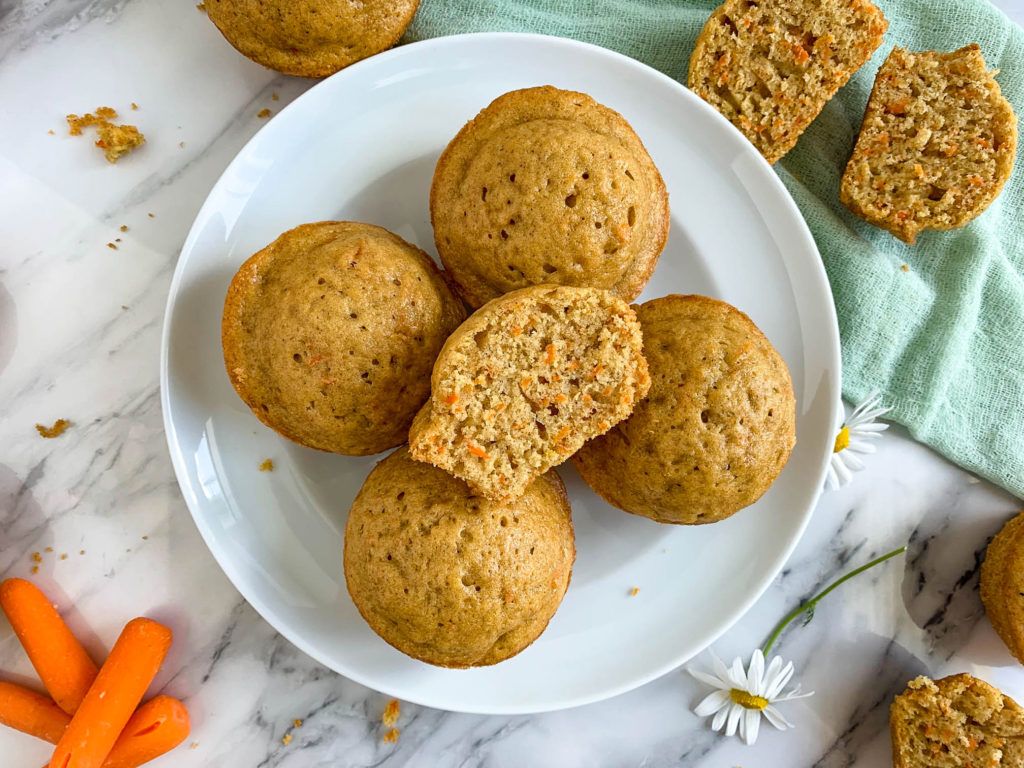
[549, 217]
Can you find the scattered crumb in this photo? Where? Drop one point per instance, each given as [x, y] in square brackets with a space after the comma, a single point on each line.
[391, 737]
[51, 132]
[36, 557]
[201, 7]
[35, 569]
[145, 538]
[124, 307]
[57, 429]
[81, 551]
[633, 592]
[150, 215]
[905, 268]
[297, 722]
[973, 480]
[111, 245]
[64, 557]
[124, 227]
[129, 549]
[114, 140]
[391, 713]
[273, 97]
[267, 465]
[263, 113]
[286, 739]
[181, 144]
[48, 549]
[117, 239]
[194, 745]
[134, 105]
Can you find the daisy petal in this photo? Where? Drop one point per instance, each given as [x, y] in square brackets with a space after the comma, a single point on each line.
[780, 681]
[720, 716]
[752, 723]
[735, 713]
[756, 674]
[721, 670]
[853, 462]
[770, 674]
[844, 474]
[737, 674]
[831, 479]
[713, 702]
[773, 716]
[704, 677]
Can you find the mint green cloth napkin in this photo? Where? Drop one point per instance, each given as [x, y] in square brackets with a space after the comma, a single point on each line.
[944, 341]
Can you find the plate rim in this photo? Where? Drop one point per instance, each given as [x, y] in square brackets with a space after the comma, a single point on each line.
[267, 612]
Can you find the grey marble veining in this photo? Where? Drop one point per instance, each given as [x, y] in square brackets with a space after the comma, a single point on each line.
[79, 338]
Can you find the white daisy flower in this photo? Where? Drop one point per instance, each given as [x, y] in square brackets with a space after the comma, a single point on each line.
[855, 436]
[743, 696]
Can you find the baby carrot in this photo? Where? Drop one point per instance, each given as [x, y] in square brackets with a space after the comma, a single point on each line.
[112, 698]
[32, 713]
[158, 726]
[61, 662]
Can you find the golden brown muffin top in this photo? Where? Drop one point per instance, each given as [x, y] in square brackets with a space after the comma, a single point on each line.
[716, 428]
[311, 38]
[449, 577]
[330, 333]
[548, 186]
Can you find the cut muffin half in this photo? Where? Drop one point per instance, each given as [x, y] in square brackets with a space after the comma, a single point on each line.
[525, 381]
[936, 146]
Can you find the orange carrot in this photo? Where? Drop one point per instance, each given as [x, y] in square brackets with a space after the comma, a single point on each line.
[158, 726]
[476, 450]
[112, 698]
[32, 713]
[61, 662]
[550, 354]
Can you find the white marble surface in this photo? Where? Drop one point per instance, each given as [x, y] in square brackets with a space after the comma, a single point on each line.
[79, 338]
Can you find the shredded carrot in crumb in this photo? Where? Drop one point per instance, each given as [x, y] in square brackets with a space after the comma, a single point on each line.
[918, 170]
[555, 377]
[603, 425]
[57, 429]
[607, 390]
[391, 713]
[597, 369]
[441, 449]
[574, 364]
[525, 382]
[633, 592]
[560, 398]
[516, 331]
[562, 434]
[391, 737]
[976, 180]
[476, 450]
[587, 398]
[545, 402]
[551, 354]
[982, 142]
[951, 149]
[499, 407]
[452, 398]
[267, 465]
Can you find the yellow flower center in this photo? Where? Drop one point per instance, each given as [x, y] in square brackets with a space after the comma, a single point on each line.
[842, 439]
[748, 700]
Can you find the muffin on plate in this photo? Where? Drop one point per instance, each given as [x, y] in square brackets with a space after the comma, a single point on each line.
[449, 577]
[529, 377]
[936, 146]
[958, 721]
[548, 186]
[1002, 585]
[310, 38]
[716, 428]
[330, 333]
[770, 67]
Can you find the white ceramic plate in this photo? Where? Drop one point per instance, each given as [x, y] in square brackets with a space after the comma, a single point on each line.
[362, 146]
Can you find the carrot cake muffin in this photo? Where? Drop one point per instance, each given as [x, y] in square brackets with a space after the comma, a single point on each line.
[330, 332]
[770, 66]
[1002, 585]
[449, 577]
[956, 722]
[936, 146]
[525, 381]
[310, 38]
[548, 186]
[717, 427]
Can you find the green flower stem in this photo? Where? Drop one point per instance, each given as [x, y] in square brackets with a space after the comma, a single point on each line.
[809, 605]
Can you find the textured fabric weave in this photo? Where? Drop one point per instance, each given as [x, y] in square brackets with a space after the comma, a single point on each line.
[943, 340]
